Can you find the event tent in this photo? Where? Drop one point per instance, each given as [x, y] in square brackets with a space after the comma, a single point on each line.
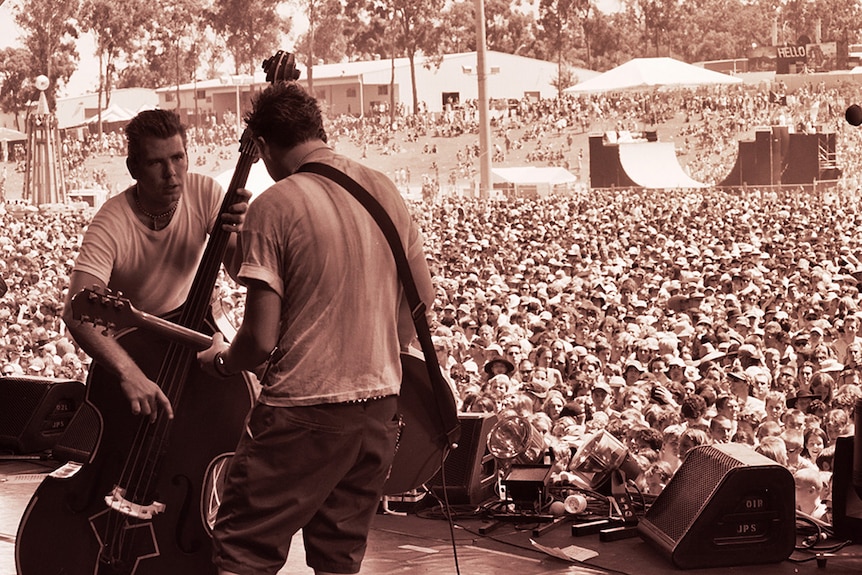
[10, 135]
[113, 117]
[533, 181]
[650, 73]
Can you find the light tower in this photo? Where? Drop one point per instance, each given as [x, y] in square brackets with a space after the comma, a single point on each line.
[43, 179]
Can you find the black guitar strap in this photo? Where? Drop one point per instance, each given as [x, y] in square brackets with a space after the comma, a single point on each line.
[447, 410]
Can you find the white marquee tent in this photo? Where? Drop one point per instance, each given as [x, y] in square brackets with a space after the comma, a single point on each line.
[533, 181]
[651, 73]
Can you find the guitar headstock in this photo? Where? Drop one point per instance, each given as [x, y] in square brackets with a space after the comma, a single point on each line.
[102, 307]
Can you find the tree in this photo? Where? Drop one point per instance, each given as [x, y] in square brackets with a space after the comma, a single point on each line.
[839, 23]
[322, 43]
[16, 89]
[370, 34]
[113, 25]
[417, 31]
[506, 29]
[49, 34]
[658, 18]
[250, 29]
[178, 28]
[562, 21]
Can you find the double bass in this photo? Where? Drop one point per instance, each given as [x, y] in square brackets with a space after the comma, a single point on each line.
[144, 497]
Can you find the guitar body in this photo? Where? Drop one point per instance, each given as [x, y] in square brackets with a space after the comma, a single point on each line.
[420, 451]
[67, 519]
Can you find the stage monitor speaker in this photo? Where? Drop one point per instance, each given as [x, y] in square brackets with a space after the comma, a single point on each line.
[726, 505]
[34, 411]
[470, 470]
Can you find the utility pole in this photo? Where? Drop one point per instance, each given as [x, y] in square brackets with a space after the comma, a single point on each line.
[484, 121]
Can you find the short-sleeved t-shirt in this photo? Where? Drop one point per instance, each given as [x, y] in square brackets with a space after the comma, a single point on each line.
[342, 311]
[117, 246]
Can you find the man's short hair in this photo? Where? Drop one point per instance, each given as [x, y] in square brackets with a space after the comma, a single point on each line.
[160, 124]
[285, 115]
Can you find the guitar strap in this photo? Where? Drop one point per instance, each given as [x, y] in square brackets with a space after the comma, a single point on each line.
[447, 411]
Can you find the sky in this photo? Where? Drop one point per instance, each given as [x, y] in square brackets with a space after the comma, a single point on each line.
[84, 80]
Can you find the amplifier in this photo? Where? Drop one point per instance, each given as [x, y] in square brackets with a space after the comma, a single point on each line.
[34, 411]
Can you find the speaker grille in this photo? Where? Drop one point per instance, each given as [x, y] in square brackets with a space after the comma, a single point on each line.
[470, 470]
[691, 489]
[726, 505]
[19, 398]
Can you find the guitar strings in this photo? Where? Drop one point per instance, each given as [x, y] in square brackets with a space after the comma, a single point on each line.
[141, 467]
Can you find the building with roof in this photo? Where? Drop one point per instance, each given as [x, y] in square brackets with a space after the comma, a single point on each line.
[363, 88]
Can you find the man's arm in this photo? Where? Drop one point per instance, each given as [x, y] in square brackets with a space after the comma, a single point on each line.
[231, 221]
[145, 397]
[256, 338]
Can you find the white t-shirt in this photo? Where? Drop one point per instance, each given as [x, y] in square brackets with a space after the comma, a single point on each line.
[117, 247]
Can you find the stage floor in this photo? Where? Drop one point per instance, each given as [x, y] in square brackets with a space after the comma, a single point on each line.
[419, 543]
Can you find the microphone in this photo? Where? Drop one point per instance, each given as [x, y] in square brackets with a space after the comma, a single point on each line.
[853, 115]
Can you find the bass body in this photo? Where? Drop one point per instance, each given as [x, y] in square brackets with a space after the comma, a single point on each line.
[69, 528]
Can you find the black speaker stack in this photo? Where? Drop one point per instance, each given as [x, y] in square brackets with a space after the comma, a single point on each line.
[35, 411]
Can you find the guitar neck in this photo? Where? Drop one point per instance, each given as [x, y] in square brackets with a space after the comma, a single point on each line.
[175, 332]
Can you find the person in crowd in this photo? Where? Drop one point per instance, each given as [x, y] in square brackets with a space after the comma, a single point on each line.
[835, 424]
[720, 429]
[657, 476]
[809, 487]
[814, 440]
[690, 438]
[772, 446]
[793, 444]
[296, 268]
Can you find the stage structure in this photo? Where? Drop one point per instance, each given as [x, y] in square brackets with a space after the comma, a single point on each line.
[43, 180]
[775, 157]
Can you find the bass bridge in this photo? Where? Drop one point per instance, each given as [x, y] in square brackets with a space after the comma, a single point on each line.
[118, 502]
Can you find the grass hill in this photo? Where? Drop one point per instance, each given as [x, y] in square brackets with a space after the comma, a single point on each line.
[410, 156]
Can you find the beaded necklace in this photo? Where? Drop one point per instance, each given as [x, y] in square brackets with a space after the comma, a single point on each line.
[155, 217]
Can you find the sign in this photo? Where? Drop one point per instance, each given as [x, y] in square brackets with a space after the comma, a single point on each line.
[791, 52]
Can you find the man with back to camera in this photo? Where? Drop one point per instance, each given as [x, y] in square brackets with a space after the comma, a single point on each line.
[323, 290]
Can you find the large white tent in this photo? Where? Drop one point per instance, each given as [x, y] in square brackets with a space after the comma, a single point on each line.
[533, 181]
[650, 73]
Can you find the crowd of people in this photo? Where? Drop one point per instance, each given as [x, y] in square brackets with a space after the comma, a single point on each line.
[669, 318]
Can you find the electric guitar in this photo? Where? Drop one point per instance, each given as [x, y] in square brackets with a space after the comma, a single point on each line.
[419, 455]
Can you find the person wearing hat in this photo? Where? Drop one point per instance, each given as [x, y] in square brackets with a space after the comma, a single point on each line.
[786, 379]
[601, 396]
[740, 387]
[633, 371]
[498, 365]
